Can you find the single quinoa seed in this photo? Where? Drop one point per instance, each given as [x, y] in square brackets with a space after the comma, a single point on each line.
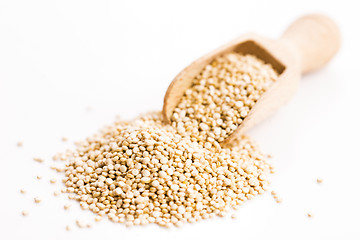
[310, 215]
[319, 180]
[22, 191]
[25, 213]
[19, 144]
[37, 200]
[67, 206]
[64, 139]
[39, 160]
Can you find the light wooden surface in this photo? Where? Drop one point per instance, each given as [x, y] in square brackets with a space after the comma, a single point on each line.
[308, 44]
[316, 38]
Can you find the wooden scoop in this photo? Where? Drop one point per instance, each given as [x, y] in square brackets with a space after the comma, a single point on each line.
[308, 44]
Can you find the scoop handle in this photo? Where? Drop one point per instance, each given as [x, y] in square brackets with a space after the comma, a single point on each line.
[316, 39]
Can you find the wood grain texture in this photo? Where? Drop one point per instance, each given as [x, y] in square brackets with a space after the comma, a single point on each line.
[316, 38]
[308, 44]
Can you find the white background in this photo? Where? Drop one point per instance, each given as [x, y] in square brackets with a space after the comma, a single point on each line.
[57, 58]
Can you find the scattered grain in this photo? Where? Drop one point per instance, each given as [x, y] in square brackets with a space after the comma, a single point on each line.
[25, 213]
[276, 197]
[80, 224]
[39, 160]
[67, 206]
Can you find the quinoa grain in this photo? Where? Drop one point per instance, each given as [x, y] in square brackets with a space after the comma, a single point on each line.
[39, 160]
[221, 96]
[276, 197]
[143, 171]
[67, 206]
[98, 218]
[25, 213]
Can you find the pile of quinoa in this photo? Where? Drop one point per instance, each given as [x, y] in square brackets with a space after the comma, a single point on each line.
[143, 171]
[221, 96]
